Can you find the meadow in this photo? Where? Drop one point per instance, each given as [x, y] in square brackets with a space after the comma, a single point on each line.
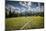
[24, 23]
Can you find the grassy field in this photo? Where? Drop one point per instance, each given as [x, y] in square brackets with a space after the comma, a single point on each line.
[30, 22]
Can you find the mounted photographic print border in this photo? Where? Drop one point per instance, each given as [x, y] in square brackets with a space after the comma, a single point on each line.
[34, 29]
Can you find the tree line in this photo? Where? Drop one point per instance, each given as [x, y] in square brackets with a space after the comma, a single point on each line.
[9, 14]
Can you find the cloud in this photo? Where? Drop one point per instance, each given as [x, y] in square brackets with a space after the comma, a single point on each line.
[23, 9]
[23, 4]
[26, 7]
[12, 8]
[26, 4]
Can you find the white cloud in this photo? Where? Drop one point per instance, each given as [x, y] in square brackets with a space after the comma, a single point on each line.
[26, 4]
[12, 8]
[22, 9]
[23, 3]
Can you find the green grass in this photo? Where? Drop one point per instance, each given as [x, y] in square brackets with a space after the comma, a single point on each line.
[18, 22]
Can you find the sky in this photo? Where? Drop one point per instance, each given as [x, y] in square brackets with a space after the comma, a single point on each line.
[24, 6]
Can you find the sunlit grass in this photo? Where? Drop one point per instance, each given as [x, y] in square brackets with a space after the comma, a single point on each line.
[18, 22]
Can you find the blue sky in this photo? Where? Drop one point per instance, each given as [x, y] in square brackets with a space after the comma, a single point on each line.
[24, 6]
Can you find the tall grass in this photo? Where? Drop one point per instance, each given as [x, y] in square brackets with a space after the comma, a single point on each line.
[18, 22]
